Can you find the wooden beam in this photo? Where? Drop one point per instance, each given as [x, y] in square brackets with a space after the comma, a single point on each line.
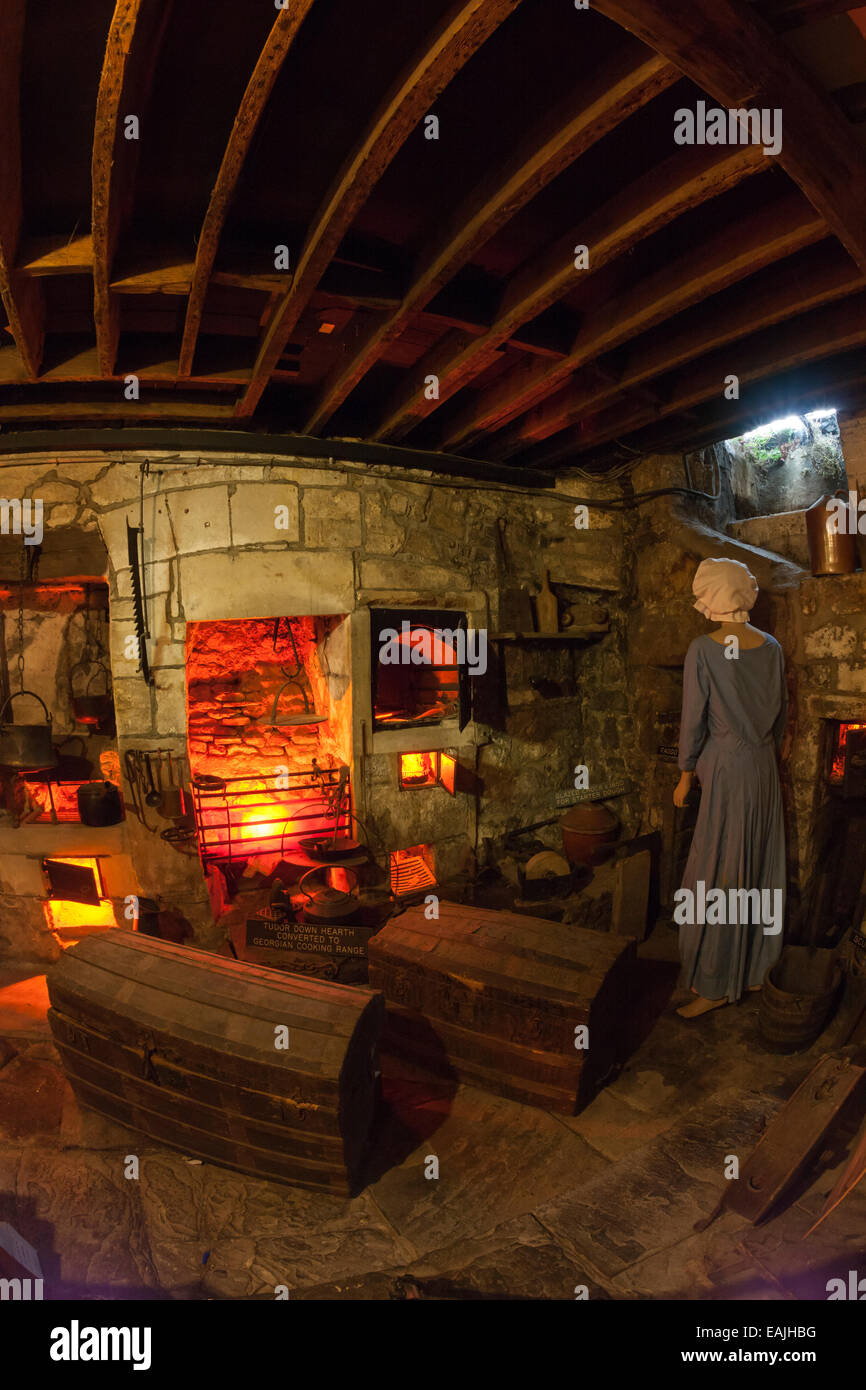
[733, 54]
[253, 103]
[165, 409]
[133, 43]
[767, 299]
[56, 255]
[22, 299]
[238, 444]
[463, 31]
[641, 208]
[623, 87]
[834, 329]
[852, 98]
[791, 14]
[773, 232]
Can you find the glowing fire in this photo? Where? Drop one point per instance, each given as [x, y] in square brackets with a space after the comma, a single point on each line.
[64, 796]
[418, 769]
[837, 773]
[66, 916]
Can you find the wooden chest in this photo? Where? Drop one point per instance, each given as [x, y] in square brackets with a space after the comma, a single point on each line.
[500, 1000]
[182, 1044]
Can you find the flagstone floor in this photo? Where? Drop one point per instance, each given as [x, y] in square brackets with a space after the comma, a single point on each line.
[527, 1205]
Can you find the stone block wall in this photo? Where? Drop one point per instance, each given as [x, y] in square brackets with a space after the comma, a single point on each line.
[256, 539]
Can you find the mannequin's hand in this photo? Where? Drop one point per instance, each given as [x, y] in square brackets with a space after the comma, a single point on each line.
[683, 787]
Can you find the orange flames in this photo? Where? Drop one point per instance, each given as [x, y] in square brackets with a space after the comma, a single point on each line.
[837, 773]
[418, 769]
[63, 915]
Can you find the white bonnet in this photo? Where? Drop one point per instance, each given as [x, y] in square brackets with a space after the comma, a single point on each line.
[725, 590]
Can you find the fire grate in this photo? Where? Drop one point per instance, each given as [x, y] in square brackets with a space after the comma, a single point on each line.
[246, 817]
[411, 871]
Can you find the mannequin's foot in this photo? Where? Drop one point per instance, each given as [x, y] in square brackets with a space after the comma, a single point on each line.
[700, 1006]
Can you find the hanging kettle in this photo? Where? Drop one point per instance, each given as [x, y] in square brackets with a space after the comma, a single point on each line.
[831, 549]
[27, 747]
[329, 905]
[97, 711]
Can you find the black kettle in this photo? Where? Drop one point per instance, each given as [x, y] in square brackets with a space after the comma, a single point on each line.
[99, 803]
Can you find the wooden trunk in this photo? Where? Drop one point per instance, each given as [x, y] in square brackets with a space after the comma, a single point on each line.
[496, 998]
[180, 1043]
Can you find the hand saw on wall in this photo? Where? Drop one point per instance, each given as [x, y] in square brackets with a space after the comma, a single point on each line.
[133, 537]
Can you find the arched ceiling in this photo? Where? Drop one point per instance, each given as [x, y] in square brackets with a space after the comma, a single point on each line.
[156, 155]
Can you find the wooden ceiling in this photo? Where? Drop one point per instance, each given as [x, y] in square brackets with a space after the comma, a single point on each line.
[256, 128]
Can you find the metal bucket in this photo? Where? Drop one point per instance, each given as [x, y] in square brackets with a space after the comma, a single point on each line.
[831, 551]
[26, 746]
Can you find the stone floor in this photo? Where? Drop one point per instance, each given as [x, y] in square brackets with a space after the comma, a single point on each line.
[527, 1205]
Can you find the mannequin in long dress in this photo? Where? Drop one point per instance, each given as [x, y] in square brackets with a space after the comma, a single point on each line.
[733, 721]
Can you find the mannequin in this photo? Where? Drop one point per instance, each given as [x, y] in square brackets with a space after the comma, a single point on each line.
[733, 720]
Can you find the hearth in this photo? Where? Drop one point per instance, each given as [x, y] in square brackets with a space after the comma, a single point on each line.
[433, 769]
[846, 758]
[265, 756]
[259, 816]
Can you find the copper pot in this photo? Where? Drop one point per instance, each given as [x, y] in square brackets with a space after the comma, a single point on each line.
[831, 550]
[585, 828]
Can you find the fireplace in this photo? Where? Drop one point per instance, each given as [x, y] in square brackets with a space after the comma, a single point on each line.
[416, 678]
[846, 758]
[433, 769]
[266, 747]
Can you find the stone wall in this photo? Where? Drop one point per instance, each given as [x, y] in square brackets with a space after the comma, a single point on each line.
[252, 539]
[820, 622]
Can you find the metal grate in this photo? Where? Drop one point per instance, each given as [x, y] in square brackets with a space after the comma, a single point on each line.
[251, 816]
[410, 873]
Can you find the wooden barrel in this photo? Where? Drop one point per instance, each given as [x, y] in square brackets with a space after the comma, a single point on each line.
[270, 1073]
[798, 998]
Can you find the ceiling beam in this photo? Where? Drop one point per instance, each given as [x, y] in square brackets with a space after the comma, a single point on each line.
[791, 14]
[836, 328]
[682, 182]
[727, 49]
[168, 407]
[253, 103]
[626, 84]
[770, 298]
[775, 231]
[239, 444]
[464, 30]
[22, 299]
[134, 38]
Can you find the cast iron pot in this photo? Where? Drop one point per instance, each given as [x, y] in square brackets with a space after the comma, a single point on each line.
[99, 803]
[27, 747]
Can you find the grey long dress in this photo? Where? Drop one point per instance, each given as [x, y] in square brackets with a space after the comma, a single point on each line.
[733, 719]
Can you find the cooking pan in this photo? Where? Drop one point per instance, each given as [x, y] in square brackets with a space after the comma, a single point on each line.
[26, 746]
